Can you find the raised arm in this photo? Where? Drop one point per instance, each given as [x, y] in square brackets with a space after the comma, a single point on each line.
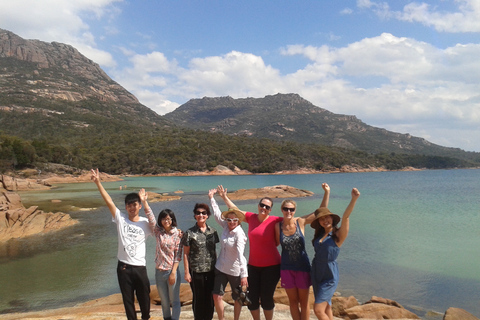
[309, 218]
[342, 232]
[216, 210]
[222, 192]
[148, 211]
[106, 197]
[326, 195]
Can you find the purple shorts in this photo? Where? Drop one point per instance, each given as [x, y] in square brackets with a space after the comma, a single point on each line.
[295, 279]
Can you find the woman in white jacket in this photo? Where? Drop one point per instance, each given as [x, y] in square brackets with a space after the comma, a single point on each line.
[231, 264]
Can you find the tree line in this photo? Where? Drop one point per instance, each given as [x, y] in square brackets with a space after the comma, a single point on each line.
[166, 150]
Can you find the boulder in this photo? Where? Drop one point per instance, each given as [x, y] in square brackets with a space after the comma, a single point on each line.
[388, 302]
[340, 304]
[458, 314]
[379, 311]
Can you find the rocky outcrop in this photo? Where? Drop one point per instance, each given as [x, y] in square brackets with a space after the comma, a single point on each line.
[45, 180]
[279, 191]
[458, 314]
[157, 197]
[378, 308]
[17, 184]
[341, 304]
[111, 307]
[67, 58]
[16, 221]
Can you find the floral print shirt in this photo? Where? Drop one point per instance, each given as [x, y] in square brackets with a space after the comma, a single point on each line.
[202, 256]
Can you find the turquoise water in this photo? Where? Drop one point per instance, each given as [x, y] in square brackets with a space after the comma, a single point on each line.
[414, 237]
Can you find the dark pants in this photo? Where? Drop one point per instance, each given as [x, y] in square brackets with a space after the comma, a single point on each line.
[262, 282]
[134, 280]
[202, 287]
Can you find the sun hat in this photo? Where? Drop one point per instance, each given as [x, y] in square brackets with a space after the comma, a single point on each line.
[322, 212]
[240, 215]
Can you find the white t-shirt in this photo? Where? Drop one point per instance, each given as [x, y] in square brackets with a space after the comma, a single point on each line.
[131, 239]
[231, 260]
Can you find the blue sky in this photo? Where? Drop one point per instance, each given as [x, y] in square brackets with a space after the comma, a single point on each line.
[409, 67]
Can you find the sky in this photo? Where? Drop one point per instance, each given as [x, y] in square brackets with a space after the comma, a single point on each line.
[409, 67]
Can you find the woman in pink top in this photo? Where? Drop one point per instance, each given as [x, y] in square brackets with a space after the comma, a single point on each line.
[264, 259]
[168, 255]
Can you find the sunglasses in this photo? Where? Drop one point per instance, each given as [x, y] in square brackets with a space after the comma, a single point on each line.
[197, 213]
[263, 205]
[232, 219]
[288, 209]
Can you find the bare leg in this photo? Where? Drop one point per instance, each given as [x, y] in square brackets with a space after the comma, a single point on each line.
[303, 295]
[268, 314]
[218, 301]
[255, 314]
[237, 309]
[323, 311]
[329, 312]
[293, 300]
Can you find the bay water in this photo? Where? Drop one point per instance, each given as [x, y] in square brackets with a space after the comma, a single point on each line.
[414, 237]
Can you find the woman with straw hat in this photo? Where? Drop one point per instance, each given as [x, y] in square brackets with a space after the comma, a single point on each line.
[231, 264]
[264, 259]
[327, 241]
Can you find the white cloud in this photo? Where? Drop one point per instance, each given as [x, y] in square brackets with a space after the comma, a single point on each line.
[346, 11]
[156, 101]
[465, 19]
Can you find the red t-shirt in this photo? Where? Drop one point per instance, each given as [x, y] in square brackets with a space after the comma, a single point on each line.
[261, 236]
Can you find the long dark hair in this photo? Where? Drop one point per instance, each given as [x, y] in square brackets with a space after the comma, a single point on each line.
[320, 232]
[166, 213]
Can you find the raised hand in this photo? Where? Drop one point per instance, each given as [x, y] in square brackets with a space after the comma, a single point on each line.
[95, 177]
[325, 187]
[222, 192]
[355, 193]
[143, 195]
[211, 192]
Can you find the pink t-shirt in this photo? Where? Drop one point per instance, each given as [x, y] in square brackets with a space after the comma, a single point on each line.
[261, 235]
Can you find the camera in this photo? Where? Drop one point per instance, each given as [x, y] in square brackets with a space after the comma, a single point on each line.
[242, 296]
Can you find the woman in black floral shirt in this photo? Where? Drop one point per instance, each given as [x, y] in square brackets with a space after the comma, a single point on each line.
[199, 258]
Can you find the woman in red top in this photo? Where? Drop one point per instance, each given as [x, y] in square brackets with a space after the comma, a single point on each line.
[264, 259]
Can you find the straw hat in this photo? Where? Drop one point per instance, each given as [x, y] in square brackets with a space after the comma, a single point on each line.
[322, 212]
[240, 215]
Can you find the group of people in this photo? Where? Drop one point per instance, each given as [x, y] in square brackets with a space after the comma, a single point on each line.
[253, 283]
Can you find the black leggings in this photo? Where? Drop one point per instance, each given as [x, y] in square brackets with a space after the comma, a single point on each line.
[202, 287]
[262, 282]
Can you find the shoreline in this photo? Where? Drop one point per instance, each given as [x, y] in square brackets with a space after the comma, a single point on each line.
[25, 180]
[111, 307]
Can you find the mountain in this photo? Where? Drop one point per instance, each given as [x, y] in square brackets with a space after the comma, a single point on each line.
[289, 117]
[57, 106]
[51, 89]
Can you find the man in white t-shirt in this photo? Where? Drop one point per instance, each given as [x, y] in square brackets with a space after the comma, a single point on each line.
[132, 231]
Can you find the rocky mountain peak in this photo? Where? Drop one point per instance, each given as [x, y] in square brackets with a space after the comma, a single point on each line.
[76, 77]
